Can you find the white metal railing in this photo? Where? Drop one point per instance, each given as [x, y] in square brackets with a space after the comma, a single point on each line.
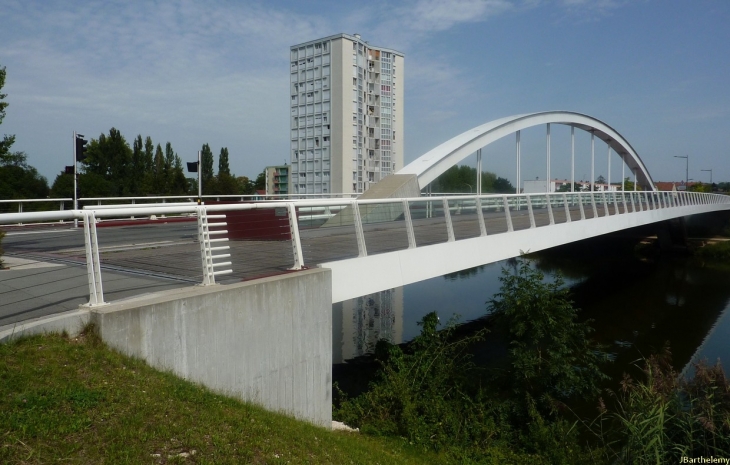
[356, 214]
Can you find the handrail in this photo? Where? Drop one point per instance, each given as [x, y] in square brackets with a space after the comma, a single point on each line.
[637, 202]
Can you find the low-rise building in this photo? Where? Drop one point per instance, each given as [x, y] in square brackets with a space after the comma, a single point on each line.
[277, 180]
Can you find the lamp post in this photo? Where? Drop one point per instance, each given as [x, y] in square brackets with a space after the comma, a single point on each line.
[686, 157]
[470, 191]
[710, 170]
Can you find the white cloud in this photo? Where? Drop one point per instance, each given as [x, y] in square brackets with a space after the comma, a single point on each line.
[440, 15]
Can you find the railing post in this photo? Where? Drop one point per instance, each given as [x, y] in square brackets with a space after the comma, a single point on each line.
[507, 214]
[296, 242]
[204, 242]
[615, 203]
[580, 204]
[449, 224]
[623, 201]
[529, 212]
[409, 224]
[361, 248]
[480, 216]
[605, 204]
[550, 209]
[567, 210]
[93, 266]
[633, 205]
[593, 204]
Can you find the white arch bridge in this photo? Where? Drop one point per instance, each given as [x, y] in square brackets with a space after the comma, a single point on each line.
[377, 244]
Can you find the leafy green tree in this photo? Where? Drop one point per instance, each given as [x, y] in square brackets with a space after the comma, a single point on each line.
[600, 179]
[178, 184]
[7, 141]
[245, 186]
[551, 355]
[566, 187]
[159, 178]
[169, 165]
[206, 175]
[463, 179]
[260, 183]
[110, 157]
[700, 187]
[223, 165]
[18, 180]
[138, 167]
[225, 182]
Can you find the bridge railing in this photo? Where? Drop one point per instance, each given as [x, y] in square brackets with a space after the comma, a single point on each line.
[292, 235]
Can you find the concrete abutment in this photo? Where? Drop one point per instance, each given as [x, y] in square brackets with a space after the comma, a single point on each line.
[266, 341]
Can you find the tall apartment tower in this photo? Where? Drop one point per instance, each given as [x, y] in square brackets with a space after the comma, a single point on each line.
[346, 115]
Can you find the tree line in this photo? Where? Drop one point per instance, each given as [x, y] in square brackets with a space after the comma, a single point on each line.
[114, 169]
[463, 179]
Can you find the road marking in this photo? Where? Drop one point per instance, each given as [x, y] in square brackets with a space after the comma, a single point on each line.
[17, 263]
[23, 233]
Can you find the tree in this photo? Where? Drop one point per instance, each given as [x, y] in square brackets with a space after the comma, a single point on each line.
[223, 166]
[260, 183]
[206, 175]
[110, 157]
[600, 179]
[225, 181]
[168, 167]
[627, 185]
[551, 356]
[245, 186]
[179, 183]
[158, 183]
[566, 187]
[464, 179]
[138, 167]
[7, 141]
[18, 180]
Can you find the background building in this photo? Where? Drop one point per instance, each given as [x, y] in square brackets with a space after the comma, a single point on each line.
[346, 115]
[277, 180]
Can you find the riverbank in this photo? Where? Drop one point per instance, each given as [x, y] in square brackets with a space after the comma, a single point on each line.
[73, 399]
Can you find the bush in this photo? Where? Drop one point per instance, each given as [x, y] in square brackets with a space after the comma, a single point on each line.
[551, 355]
[716, 251]
[663, 417]
[426, 393]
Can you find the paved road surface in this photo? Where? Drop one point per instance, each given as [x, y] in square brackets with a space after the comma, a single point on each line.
[149, 257]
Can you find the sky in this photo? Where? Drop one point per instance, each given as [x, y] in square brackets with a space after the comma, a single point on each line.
[193, 72]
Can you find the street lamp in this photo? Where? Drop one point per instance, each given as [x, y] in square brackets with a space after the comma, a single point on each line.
[686, 157]
[710, 170]
[470, 191]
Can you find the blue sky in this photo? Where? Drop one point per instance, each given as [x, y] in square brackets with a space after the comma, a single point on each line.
[191, 72]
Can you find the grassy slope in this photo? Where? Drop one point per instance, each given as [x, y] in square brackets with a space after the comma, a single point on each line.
[75, 401]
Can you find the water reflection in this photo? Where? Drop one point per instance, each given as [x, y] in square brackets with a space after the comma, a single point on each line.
[637, 304]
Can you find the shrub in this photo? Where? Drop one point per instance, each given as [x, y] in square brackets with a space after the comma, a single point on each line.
[551, 355]
[663, 417]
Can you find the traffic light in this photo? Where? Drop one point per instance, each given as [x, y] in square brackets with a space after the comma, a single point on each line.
[68, 170]
[80, 149]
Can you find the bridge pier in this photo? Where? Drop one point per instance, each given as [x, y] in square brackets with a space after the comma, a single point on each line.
[672, 234]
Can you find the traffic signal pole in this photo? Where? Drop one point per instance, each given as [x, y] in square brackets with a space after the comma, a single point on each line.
[76, 200]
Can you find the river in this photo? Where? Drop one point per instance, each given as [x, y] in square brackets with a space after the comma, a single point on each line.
[637, 303]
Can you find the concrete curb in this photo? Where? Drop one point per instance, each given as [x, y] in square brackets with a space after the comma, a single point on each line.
[71, 321]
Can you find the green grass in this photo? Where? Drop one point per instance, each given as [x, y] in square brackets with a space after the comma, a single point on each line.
[72, 400]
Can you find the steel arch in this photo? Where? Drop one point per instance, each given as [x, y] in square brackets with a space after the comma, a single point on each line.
[430, 165]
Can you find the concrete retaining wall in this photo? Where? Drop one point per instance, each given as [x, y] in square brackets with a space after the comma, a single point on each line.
[267, 341]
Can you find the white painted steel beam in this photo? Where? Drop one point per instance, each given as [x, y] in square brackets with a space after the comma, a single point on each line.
[436, 161]
[402, 267]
